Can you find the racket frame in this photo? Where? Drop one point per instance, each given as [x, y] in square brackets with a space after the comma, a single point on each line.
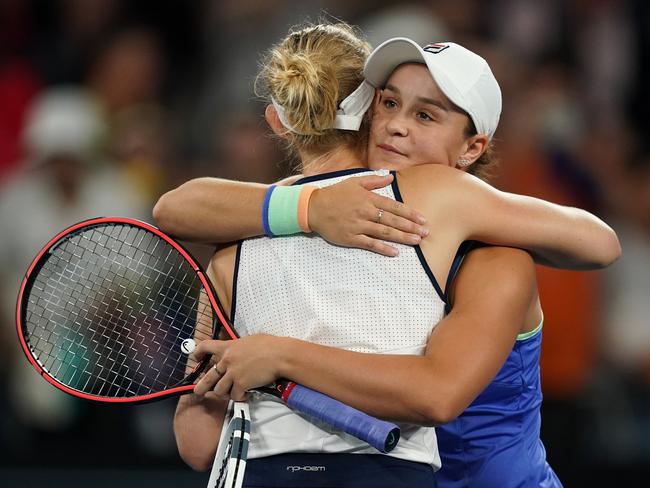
[236, 436]
[186, 385]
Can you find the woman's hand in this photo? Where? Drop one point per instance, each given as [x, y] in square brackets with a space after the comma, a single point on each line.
[239, 365]
[349, 214]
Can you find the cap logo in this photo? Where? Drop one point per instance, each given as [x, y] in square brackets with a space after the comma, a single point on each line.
[435, 48]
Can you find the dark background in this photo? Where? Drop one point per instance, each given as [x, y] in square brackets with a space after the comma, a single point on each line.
[147, 94]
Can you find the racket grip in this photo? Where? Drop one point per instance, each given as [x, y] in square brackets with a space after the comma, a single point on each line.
[380, 434]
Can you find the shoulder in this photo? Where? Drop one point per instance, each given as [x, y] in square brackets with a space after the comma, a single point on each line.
[427, 174]
[424, 187]
[439, 185]
[504, 271]
[501, 262]
[439, 192]
[495, 256]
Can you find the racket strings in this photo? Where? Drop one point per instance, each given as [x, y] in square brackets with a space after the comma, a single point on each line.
[109, 310]
[119, 317]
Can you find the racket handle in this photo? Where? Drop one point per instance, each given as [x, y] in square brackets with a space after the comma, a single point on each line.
[380, 434]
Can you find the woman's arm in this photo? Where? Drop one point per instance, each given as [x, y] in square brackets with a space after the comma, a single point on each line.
[214, 210]
[494, 293]
[199, 419]
[556, 235]
[197, 424]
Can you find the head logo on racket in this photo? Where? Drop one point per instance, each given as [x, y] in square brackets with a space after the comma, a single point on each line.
[188, 346]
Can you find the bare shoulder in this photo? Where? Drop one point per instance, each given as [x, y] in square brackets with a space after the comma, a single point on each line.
[500, 261]
[434, 174]
[504, 281]
[501, 272]
[438, 185]
[507, 268]
[497, 255]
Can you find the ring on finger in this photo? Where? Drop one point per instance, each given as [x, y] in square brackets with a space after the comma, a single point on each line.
[380, 214]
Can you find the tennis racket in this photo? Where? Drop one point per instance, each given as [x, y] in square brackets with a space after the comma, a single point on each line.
[110, 309]
[230, 460]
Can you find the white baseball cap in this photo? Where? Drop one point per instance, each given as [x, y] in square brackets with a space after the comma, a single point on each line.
[463, 76]
[63, 120]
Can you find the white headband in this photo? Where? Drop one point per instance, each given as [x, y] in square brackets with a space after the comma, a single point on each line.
[354, 106]
[350, 113]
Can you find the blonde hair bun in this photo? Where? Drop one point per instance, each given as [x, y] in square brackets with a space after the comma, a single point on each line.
[308, 74]
[307, 88]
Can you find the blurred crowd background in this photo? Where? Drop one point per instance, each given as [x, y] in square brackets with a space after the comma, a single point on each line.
[105, 104]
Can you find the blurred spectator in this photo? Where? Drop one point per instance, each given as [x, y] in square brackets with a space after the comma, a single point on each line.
[141, 144]
[66, 179]
[530, 29]
[417, 22]
[127, 69]
[245, 150]
[18, 84]
[237, 33]
[67, 35]
[18, 80]
[126, 78]
[606, 53]
[622, 423]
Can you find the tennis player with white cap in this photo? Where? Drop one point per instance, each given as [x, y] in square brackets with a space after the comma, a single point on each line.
[495, 441]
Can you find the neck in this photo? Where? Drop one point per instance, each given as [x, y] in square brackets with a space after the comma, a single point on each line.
[336, 160]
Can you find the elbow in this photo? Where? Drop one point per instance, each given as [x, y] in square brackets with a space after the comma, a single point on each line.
[194, 460]
[615, 249]
[439, 409]
[196, 455]
[193, 448]
[611, 251]
[440, 402]
[161, 213]
[158, 210]
[440, 413]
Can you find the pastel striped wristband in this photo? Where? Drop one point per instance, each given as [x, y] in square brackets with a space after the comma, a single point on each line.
[286, 210]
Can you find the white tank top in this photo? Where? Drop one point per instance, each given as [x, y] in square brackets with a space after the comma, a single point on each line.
[303, 287]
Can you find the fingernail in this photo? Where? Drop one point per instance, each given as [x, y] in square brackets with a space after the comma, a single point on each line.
[415, 239]
[424, 232]
[421, 219]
